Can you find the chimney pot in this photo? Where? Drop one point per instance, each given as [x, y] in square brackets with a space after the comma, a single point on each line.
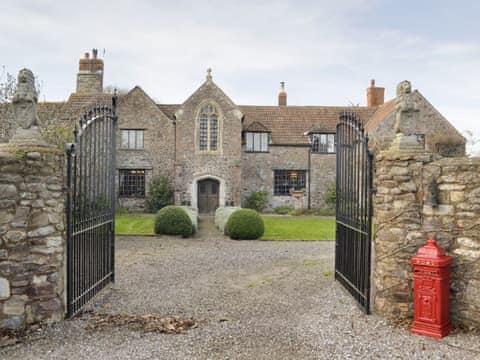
[87, 55]
[282, 95]
[375, 95]
[95, 53]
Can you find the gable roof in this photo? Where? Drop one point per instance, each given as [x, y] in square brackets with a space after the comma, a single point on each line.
[257, 126]
[380, 114]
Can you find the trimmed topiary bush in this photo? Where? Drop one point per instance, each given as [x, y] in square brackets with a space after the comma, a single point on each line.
[173, 220]
[245, 224]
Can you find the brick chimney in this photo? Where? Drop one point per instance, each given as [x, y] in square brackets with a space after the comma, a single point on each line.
[375, 95]
[90, 74]
[282, 95]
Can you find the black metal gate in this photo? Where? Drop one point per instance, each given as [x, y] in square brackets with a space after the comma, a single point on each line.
[354, 209]
[91, 206]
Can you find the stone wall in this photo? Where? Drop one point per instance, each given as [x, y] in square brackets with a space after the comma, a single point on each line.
[404, 219]
[31, 235]
[258, 173]
[224, 164]
[137, 111]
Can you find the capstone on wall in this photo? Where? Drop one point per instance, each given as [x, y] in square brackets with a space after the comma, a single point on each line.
[224, 164]
[258, 173]
[405, 219]
[32, 234]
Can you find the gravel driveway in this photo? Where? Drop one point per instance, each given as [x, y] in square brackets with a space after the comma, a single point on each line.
[253, 300]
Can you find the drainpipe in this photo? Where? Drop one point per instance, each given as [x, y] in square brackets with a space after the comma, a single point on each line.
[309, 174]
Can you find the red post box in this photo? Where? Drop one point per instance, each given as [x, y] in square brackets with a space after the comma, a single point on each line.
[431, 291]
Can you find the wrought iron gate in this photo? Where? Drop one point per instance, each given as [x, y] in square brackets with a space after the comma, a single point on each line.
[354, 209]
[91, 206]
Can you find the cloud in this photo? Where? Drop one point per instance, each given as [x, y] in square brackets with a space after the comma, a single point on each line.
[326, 51]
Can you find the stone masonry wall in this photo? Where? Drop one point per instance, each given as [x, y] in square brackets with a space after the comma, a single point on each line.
[404, 219]
[258, 173]
[137, 111]
[223, 164]
[31, 235]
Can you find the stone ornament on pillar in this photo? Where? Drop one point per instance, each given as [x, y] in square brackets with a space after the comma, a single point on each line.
[24, 103]
[406, 110]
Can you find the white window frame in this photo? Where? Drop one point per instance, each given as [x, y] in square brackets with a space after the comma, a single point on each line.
[135, 139]
[257, 141]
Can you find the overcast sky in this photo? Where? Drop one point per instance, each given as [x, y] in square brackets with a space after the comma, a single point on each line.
[326, 51]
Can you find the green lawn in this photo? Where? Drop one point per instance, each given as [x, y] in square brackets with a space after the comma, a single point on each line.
[299, 228]
[276, 227]
[134, 224]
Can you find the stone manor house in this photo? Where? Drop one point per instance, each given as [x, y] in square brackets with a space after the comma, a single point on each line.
[216, 152]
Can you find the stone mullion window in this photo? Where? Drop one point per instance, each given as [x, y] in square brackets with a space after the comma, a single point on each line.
[285, 180]
[131, 183]
[208, 129]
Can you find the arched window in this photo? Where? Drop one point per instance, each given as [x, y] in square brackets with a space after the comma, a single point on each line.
[208, 128]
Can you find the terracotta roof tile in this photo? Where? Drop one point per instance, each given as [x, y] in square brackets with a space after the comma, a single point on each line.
[289, 123]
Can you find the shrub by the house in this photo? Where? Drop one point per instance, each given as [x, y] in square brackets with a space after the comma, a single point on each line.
[257, 200]
[283, 209]
[160, 194]
[173, 220]
[245, 224]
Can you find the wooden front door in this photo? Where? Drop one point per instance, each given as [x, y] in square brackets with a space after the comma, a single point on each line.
[208, 196]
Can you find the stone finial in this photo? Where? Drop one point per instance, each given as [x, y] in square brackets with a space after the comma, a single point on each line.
[25, 111]
[209, 74]
[25, 100]
[406, 108]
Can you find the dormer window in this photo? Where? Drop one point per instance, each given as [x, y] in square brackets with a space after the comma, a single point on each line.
[208, 128]
[257, 141]
[323, 143]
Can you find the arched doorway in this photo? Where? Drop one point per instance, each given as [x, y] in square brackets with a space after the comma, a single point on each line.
[208, 195]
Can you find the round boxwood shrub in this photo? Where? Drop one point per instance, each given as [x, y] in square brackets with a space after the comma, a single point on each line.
[173, 220]
[245, 224]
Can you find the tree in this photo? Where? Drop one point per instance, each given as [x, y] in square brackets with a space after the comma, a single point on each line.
[8, 85]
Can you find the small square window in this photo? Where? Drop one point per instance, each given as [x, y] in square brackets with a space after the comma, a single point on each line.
[132, 138]
[257, 141]
[131, 183]
[324, 143]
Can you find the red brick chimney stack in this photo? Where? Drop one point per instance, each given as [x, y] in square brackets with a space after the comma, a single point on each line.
[375, 95]
[90, 74]
[282, 95]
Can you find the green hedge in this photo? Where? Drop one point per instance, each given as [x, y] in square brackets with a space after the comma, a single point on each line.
[245, 224]
[173, 220]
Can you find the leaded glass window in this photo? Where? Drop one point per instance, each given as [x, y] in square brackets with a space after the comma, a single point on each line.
[287, 180]
[208, 128]
[131, 183]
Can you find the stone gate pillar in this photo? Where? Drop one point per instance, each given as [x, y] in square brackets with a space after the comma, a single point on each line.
[398, 207]
[32, 226]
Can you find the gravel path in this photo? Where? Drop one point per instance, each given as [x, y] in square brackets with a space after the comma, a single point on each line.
[253, 300]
